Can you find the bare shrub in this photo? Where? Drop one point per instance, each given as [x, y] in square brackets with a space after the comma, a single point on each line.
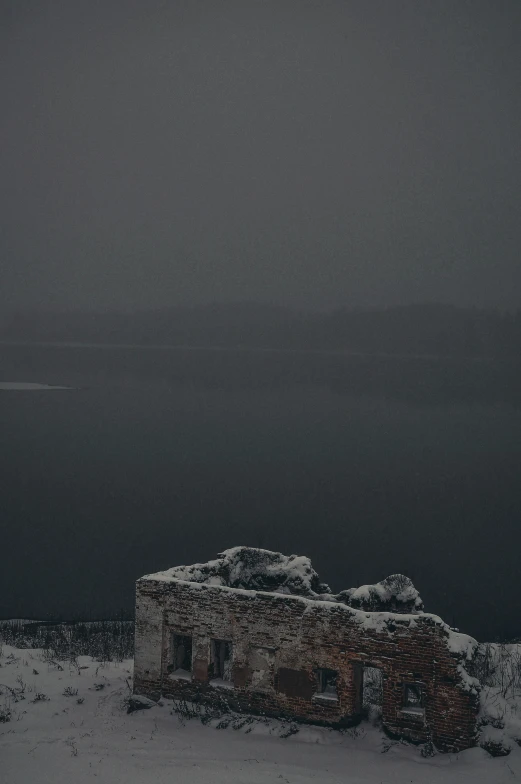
[12, 693]
[289, 730]
[72, 745]
[202, 710]
[499, 665]
[104, 641]
[21, 685]
[40, 697]
[5, 709]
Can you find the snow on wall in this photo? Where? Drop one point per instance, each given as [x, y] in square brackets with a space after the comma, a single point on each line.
[255, 569]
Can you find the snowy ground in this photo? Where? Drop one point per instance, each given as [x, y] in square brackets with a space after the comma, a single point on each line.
[52, 737]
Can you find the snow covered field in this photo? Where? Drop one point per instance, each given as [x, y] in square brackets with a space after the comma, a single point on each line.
[55, 734]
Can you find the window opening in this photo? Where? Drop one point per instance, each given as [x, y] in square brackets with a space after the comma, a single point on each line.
[181, 655]
[413, 698]
[327, 684]
[221, 660]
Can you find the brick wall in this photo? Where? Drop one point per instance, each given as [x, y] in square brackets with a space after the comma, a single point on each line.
[278, 643]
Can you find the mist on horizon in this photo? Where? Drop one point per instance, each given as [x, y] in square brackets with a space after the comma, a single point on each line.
[347, 154]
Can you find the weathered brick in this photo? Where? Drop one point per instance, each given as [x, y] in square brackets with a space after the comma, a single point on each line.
[279, 641]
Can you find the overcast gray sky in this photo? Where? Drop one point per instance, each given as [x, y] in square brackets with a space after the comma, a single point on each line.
[356, 152]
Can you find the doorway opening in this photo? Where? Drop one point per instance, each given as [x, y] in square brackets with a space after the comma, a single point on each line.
[372, 694]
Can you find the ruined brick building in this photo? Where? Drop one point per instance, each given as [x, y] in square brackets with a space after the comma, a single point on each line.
[260, 628]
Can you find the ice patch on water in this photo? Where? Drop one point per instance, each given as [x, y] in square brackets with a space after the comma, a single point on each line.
[27, 386]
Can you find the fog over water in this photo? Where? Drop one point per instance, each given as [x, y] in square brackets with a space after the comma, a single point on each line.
[157, 459]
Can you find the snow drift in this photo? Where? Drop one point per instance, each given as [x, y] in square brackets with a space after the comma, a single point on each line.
[255, 569]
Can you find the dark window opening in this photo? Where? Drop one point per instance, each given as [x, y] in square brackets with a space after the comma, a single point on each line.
[413, 697]
[327, 684]
[221, 660]
[295, 683]
[181, 655]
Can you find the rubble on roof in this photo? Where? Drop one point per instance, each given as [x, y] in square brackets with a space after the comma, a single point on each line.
[256, 569]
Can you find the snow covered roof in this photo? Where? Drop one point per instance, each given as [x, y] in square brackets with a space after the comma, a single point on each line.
[395, 594]
[255, 569]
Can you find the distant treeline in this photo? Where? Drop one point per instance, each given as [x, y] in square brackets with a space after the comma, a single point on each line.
[428, 329]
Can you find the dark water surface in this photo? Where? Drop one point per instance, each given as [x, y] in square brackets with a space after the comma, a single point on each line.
[369, 466]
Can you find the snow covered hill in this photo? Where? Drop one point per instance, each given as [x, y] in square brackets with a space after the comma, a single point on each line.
[68, 722]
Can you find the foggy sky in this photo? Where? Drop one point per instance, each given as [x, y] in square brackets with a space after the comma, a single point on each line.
[350, 152]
